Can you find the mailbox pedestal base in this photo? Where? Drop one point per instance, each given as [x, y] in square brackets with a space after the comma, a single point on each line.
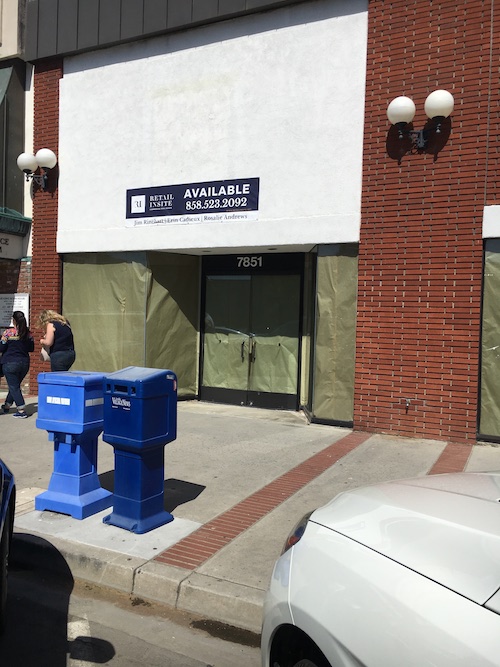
[138, 494]
[74, 486]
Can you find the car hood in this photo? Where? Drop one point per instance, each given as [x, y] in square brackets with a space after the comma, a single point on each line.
[446, 527]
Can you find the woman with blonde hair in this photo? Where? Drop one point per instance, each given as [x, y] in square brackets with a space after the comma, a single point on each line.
[58, 340]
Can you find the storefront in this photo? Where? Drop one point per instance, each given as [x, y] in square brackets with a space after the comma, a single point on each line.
[217, 230]
[279, 331]
[267, 330]
[203, 104]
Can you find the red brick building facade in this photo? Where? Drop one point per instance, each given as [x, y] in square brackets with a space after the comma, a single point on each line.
[421, 249]
[47, 266]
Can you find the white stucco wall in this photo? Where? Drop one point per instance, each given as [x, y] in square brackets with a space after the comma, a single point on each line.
[491, 221]
[279, 96]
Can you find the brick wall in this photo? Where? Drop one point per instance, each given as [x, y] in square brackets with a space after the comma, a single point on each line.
[490, 125]
[46, 263]
[24, 281]
[420, 266]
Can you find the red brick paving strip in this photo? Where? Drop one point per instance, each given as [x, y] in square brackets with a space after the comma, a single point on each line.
[199, 546]
[453, 458]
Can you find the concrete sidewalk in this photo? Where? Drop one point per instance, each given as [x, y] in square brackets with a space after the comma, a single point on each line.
[236, 481]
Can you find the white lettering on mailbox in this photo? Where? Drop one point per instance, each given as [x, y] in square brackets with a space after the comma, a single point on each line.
[120, 402]
[58, 400]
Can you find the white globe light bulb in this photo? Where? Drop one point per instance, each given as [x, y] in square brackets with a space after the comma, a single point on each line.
[439, 104]
[27, 163]
[46, 158]
[401, 110]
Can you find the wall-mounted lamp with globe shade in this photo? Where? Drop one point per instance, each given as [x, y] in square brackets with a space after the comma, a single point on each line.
[401, 111]
[44, 159]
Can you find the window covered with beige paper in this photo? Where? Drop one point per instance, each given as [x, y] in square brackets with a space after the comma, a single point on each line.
[489, 423]
[134, 309]
[335, 335]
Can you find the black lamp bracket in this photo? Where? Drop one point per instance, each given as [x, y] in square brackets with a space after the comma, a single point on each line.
[419, 138]
[39, 179]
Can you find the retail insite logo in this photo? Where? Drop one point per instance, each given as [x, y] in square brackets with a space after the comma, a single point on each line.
[138, 203]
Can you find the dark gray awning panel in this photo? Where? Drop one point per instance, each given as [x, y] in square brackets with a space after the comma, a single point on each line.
[63, 27]
[12, 222]
[5, 75]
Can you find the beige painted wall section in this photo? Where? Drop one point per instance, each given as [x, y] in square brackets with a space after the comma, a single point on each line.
[28, 144]
[9, 29]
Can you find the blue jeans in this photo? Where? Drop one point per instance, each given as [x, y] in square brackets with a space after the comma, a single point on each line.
[62, 361]
[15, 372]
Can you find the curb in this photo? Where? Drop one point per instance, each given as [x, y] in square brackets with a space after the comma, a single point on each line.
[215, 599]
[97, 566]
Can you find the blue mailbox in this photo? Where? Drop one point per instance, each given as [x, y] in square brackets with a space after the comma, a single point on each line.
[70, 408]
[140, 418]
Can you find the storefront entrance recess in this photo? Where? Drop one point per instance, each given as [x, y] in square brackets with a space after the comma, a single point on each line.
[251, 341]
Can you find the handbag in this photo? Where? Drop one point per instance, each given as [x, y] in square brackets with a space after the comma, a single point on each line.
[44, 354]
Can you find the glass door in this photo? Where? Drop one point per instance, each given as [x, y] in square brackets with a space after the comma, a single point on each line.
[274, 343]
[227, 344]
[251, 339]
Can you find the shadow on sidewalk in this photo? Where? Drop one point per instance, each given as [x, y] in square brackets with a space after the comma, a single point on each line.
[176, 491]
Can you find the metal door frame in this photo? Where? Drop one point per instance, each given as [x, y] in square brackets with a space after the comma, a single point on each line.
[251, 264]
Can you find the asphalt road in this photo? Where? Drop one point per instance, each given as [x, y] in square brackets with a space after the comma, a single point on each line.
[56, 623]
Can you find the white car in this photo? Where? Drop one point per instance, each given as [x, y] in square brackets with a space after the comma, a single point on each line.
[401, 574]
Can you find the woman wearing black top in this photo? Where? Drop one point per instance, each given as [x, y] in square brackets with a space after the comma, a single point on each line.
[15, 345]
[58, 340]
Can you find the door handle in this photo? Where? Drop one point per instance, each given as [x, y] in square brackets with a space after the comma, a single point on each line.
[254, 350]
[243, 351]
